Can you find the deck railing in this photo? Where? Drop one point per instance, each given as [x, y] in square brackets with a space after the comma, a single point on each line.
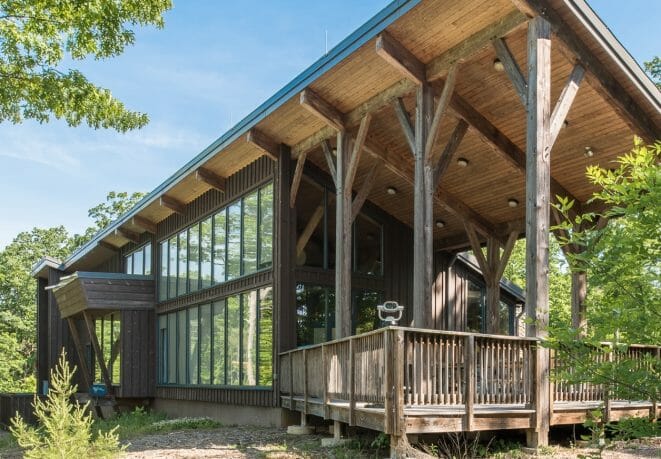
[395, 368]
[564, 391]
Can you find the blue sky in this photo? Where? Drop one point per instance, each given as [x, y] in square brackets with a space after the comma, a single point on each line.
[212, 64]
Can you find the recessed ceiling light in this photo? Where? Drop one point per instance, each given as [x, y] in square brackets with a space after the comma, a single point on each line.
[462, 162]
[440, 224]
[497, 65]
[391, 190]
[512, 202]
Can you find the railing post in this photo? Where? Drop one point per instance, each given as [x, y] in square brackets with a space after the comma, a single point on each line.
[606, 392]
[324, 358]
[352, 384]
[305, 387]
[398, 442]
[291, 381]
[389, 383]
[469, 382]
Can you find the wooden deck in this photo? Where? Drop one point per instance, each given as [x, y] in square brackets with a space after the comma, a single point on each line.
[432, 382]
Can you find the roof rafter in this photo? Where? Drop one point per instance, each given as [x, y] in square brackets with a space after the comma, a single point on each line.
[313, 103]
[507, 149]
[210, 178]
[265, 143]
[145, 224]
[597, 76]
[173, 204]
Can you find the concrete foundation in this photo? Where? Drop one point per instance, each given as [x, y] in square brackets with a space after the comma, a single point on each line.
[228, 414]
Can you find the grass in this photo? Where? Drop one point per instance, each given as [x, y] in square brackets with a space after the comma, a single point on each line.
[140, 422]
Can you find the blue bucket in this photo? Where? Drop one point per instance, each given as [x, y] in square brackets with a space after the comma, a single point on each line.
[98, 390]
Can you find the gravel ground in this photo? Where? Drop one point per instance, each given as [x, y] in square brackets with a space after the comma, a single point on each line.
[268, 443]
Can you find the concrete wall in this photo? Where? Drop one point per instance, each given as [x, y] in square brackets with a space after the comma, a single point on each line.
[228, 414]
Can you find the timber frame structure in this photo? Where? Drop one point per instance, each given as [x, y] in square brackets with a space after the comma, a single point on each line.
[439, 126]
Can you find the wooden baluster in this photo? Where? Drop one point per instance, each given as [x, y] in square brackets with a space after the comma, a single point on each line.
[446, 374]
[291, 381]
[306, 377]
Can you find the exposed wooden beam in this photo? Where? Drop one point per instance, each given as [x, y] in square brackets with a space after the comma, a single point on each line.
[311, 225]
[356, 153]
[127, 234]
[210, 178]
[512, 69]
[263, 142]
[499, 141]
[439, 66]
[82, 358]
[296, 180]
[450, 202]
[364, 190]
[173, 204]
[477, 249]
[597, 75]
[441, 108]
[448, 152]
[352, 119]
[400, 58]
[565, 101]
[507, 252]
[328, 154]
[405, 121]
[145, 224]
[108, 246]
[312, 102]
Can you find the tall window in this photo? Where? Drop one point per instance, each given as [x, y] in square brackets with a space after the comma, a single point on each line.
[315, 313]
[315, 233]
[108, 330]
[226, 343]
[138, 261]
[476, 310]
[235, 241]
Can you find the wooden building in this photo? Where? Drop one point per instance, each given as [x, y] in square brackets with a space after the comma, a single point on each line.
[438, 126]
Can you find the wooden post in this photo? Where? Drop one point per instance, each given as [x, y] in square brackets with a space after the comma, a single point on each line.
[398, 441]
[306, 378]
[493, 287]
[538, 146]
[326, 400]
[389, 382]
[342, 240]
[97, 351]
[469, 374]
[352, 382]
[79, 349]
[422, 208]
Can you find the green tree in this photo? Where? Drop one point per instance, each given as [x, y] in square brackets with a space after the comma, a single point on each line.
[65, 428]
[623, 262]
[653, 67]
[102, 215]
[39, 38]
[559, 280]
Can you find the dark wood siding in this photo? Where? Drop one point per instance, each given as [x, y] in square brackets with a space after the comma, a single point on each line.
[239, 396]
[42, 333]
[138, 344]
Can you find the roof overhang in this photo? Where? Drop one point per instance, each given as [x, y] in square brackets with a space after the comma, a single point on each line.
[591, 33]
[40, 268]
